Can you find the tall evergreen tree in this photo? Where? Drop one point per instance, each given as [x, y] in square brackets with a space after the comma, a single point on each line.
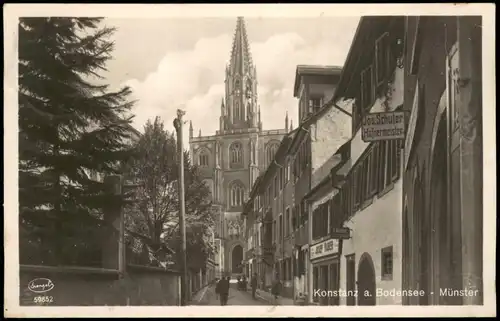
[69, 126]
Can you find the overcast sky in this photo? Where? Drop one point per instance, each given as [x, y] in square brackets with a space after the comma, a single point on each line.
[175, 63]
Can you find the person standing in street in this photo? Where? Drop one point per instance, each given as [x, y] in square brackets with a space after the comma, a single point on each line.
[253, 284]
[217, 288]
[276, 289]
[224, 290]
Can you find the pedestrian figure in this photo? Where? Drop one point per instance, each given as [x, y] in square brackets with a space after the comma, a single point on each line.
[276, 289]
[244, 283]
[253, 284]
[224, 290]
[217, 288]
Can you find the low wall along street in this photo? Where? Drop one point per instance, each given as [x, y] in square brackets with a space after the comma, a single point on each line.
[53, 286]
[383, 126]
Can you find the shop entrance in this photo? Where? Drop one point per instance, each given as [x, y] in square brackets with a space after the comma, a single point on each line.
[366, 281]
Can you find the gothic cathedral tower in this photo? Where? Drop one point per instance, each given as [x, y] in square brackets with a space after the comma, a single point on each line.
[231, 160]
[239, 109]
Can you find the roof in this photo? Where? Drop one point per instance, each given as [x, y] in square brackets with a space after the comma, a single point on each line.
[264, 177]
[369, 28]
[303, 70]
[344, 151]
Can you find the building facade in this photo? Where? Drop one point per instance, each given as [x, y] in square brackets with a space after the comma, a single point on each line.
[443, 160]
[321, 131]
[232, 159]
[277, 201]
[367, 190]
[325, 244]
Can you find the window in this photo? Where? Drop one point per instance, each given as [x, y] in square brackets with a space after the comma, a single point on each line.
[387, 263]
[382, 57]
[237, 115]
[374, 159]
[282, 177]
[275, 235]
[315, 282]
[236, 194]
[346, 199]
[382, 165]
[280, 236]
[315, 104]
[365, 178]
[235, 153]
[270, 152]
[367, 92]
[357, 187]
[287, 222]
[294, 218]
[320, 221]
[203, 159]
[275, 186]
[396, 159]
[304, 212]
[336, 215]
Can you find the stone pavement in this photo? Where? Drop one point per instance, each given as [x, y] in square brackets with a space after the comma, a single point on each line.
[269, 298]
[207, 296]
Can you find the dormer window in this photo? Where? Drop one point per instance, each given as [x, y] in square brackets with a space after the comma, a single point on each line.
[314, 104]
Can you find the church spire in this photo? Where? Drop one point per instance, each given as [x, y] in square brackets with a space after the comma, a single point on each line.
[286, 122]
[241, 59]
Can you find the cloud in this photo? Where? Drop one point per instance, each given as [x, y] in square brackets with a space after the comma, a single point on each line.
[194, 79]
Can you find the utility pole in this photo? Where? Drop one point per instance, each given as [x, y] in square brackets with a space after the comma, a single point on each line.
[178, 124]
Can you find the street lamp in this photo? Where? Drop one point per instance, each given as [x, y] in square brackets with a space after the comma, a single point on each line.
[178, 122]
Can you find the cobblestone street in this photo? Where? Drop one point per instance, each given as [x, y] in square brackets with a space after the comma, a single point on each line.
[235, 298]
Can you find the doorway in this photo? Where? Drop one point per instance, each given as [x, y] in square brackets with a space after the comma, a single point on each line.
[350, 279]
[366, 281]
[236, 259]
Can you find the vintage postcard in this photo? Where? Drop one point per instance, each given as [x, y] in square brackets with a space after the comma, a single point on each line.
[249, 160]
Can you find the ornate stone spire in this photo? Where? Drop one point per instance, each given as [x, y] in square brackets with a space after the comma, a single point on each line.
[286, 122]
[241, 59]
[190, 129]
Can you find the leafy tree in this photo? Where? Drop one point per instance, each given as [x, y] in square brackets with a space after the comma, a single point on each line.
[153, 218]
[69, 126]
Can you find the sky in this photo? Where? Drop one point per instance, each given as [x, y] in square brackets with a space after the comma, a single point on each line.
[172, 63]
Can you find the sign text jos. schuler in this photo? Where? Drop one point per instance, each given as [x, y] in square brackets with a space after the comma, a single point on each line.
[383, 126]
[325, 248]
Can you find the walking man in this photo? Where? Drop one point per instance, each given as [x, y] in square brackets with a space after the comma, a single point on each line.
[276, 289]
[217, 288]
[224, 290]
[253, 284]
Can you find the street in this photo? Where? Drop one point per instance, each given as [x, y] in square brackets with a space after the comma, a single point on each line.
[235, 298]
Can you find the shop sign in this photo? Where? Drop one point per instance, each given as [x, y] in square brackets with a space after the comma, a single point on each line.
[341, 233]
[325, 248]
[383, 126]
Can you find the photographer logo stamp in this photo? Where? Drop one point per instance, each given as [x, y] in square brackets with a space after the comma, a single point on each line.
[40, 285]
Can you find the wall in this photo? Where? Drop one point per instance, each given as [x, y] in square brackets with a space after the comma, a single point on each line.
[376, 227]
[328, 133]
[83, 287]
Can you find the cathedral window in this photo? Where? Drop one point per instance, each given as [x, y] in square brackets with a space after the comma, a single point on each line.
[270, 152]
[203, 159]
[237, 111]
[236, 194]
[235, 152]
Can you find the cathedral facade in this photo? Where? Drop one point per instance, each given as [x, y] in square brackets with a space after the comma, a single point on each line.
[232, 159]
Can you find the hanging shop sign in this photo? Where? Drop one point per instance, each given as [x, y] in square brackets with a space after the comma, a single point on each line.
[341, 233]
[383, 126]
